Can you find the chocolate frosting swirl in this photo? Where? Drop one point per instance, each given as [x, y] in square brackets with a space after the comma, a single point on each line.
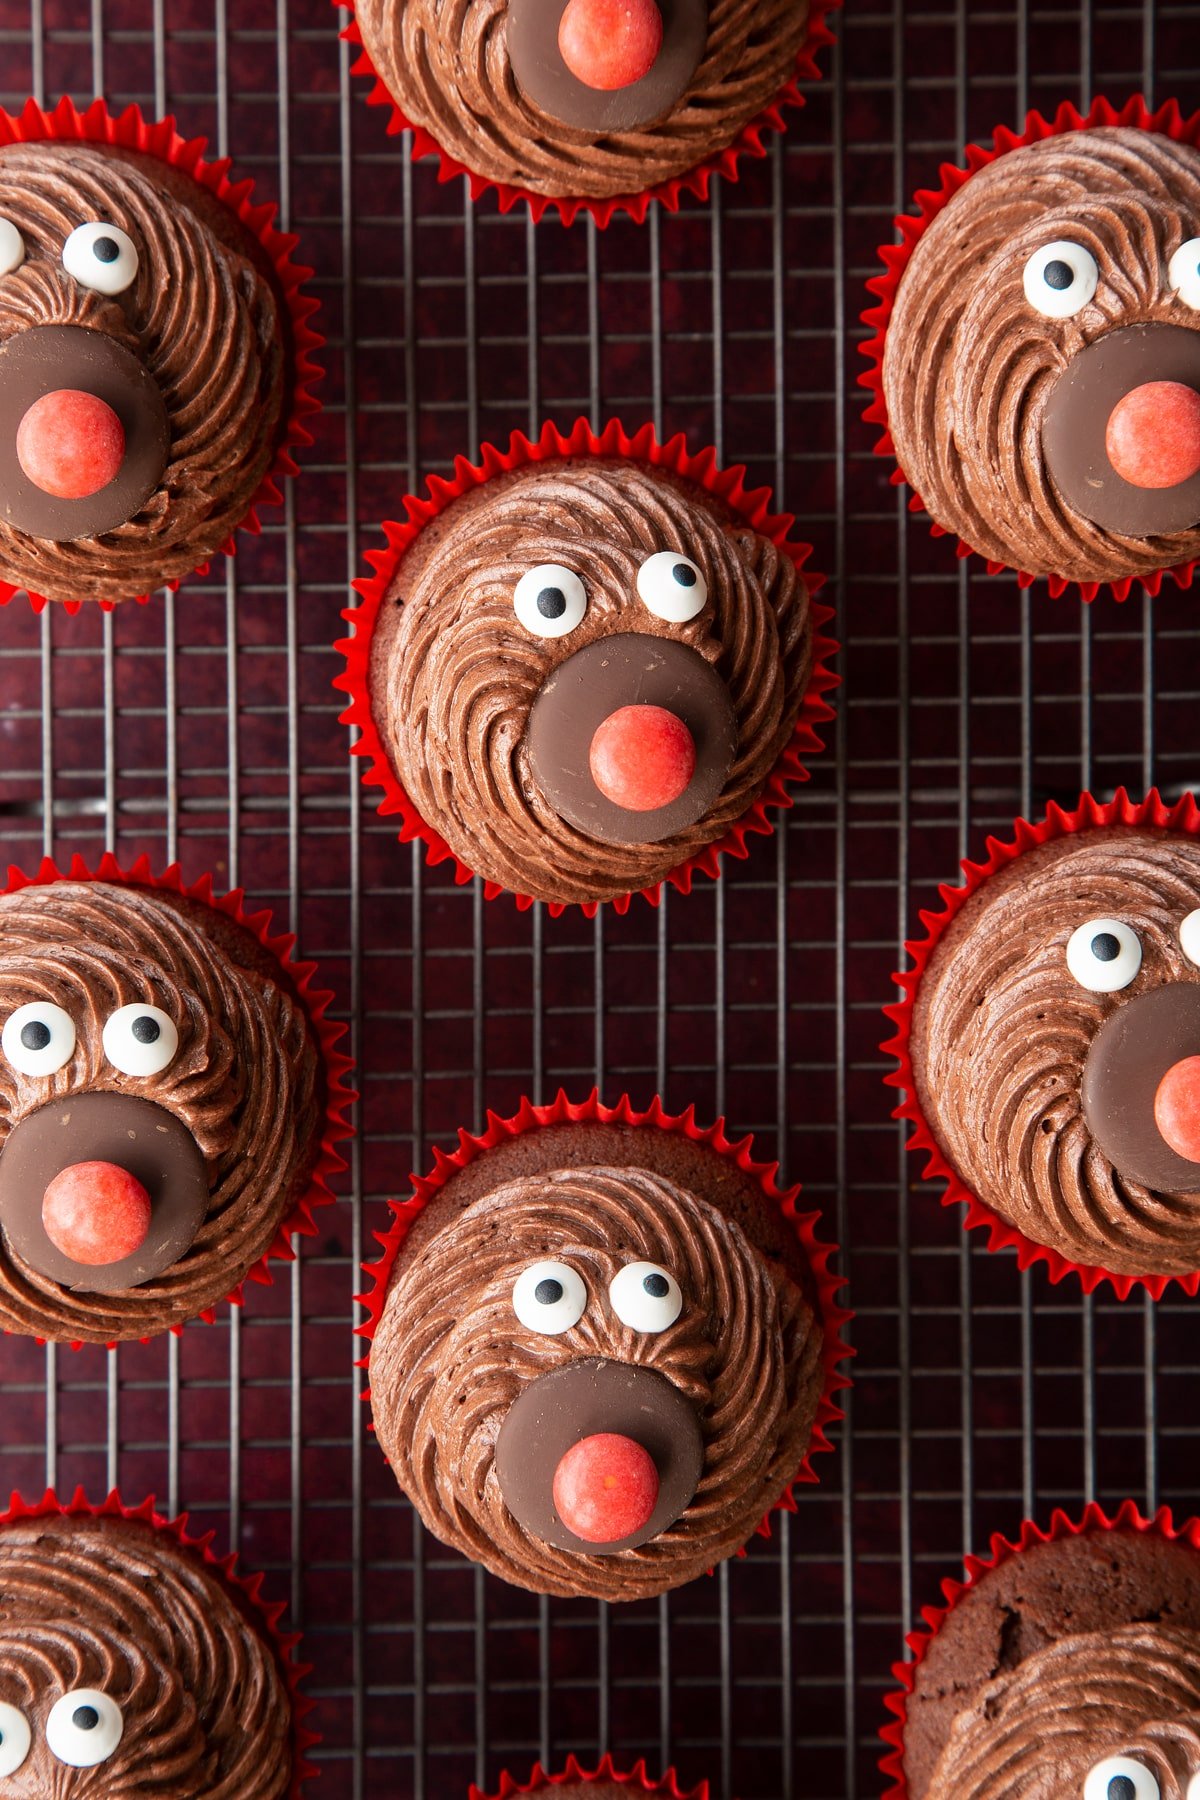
[1001, 1032]
[447, 66]
[204, 320]
[121, 1607]
[454, 674]
[969, 366]
[1035, 1734]
[449, 1358]
[247, 1082]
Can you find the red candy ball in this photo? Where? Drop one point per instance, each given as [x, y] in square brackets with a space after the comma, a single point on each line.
[605, 1488]
[96, 1213]
[70, 444]
[642, 757]
[1153, 434]
[1177, 1108]
[610, 44]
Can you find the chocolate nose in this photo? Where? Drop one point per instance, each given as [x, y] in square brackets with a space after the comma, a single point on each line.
[590, 1422]
[101, 1191]
[1141, 1088]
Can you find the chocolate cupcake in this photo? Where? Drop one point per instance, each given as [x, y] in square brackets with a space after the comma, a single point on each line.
[153, 356]
[133, 1662]
[605, 1782]
[583, 103]
[582, 673]
[603, 1346]
[169, 1099]
[1038, 345]
[1069, 1663]
[1050, 1041]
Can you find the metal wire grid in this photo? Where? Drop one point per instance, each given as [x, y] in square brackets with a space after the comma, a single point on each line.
[203, 727]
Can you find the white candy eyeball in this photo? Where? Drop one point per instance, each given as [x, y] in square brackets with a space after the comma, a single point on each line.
[672, 587]
[549, 1297]
[1183, 273]
[84, 1728]
[1189, 937]
[140, 1039]
[102, 257]
[38, 1038]
[1121, 1778]
[1193, 1786]
[1060, 279]
[15, 1738]
[550, 600]
[1104, 955]
[12, 247]
[645, 1297]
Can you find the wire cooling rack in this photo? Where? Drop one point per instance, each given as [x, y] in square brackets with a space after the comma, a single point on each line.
[204, 727]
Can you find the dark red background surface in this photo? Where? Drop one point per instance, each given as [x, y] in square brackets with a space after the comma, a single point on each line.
[205, 727]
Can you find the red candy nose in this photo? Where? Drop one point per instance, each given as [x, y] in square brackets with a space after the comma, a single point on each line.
[96, 1212]
[642, 757]
[70, 444]
[1177, 1108]
[606, 1488]
[610, 44]
[1153, 434]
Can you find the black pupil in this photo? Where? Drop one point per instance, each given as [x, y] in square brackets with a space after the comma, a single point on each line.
[657, 1286]
[1121, 1788]
[684, 574]
[85, 1718]
[106, 250]
[1058, 275]
[1106, 948]
[548, 1292]
[552, 603]
[146, 1030]
[35, 1035]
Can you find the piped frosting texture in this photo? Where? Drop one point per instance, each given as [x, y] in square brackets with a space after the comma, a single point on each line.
[454, 673]
[449, 1358]
[969, 364]
[447, 66]
[246, 1080]
[1001, 1032]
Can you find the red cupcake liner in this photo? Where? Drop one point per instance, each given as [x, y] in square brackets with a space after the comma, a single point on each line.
[700, 468]
[1167, 120]
[1002, 1550]
[245, 1590]
[696, 181]
[132, 131]
[562, 1111]
[299, 1221]
[1184, 815]
[636, 1780]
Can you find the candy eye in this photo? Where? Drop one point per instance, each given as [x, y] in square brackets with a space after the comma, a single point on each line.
[1189, 937]
[645, 1297]
[1060, 279]
[672, 587]
[1104, 955]
[84, 1728]
[38, 1038]
[550, 600]
[12, 247]
[1120, 1778]
[102, 257]
[549, 1297]
[1183, 273]
[140, 1039]
[1193, 1787]
[15, 1738]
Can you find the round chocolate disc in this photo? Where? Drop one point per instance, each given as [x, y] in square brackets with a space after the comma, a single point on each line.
[1076, 421]
[47, 357]
[629, 669]
[151, 1143]
[1130, 1054]
[545, 80]
[580, 1400]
